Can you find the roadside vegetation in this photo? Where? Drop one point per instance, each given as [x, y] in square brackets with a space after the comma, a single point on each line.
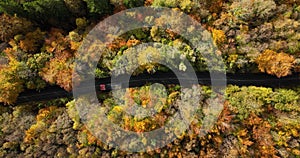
[40, 40]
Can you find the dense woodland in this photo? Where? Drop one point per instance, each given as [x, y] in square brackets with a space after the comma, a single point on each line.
[40, 40]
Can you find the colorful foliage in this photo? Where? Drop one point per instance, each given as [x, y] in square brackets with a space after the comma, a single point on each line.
[219, 37]
[59, 69]
[247, 100]
[268, 131]
[10, 82]
[247, 10]
[255, 121]
[279, 64]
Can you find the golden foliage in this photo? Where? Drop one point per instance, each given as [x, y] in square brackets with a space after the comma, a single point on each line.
[132, 42]
[87, 138]
[10, 83]
[46, 114]
[59, 69]
[74, 115]
[279, 64]
[44, 118]
[219, 37]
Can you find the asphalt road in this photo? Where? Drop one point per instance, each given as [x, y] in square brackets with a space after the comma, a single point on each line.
[54, 92]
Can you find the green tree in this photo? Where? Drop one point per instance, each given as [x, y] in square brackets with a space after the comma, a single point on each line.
[97, 8]
[59, 13]
[133, 3]
[53, 12]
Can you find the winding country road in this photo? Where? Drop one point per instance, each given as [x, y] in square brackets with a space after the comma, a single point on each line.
[54, 92]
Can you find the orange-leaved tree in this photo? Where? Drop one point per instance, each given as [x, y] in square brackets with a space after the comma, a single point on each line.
[59, 69]
[279, 64]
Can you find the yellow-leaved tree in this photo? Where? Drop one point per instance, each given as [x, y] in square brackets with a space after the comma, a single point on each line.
[279, 64]
[10, 82]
